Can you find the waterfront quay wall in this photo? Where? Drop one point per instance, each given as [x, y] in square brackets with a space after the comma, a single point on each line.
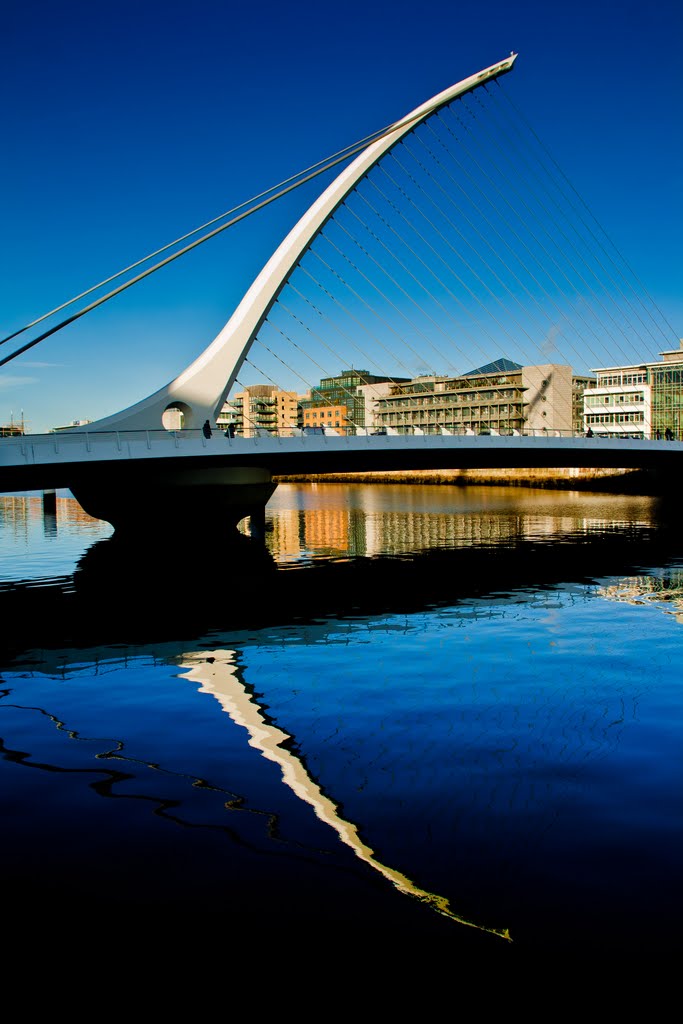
[620, 481]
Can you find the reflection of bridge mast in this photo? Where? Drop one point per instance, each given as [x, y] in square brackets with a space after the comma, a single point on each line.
[666, 591]
[218, 675]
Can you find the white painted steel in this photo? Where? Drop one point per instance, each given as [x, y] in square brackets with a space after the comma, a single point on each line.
[201, 389]
[53, 459]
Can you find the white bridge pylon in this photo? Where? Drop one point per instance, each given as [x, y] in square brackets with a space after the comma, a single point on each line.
[200, 391]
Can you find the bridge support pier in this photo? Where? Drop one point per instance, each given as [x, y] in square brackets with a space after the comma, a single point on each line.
[50, 502]
[155, 500]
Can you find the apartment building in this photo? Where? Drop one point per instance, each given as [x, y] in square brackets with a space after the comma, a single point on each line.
[260, 407]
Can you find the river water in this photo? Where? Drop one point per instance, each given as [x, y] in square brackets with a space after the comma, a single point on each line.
[418, 713]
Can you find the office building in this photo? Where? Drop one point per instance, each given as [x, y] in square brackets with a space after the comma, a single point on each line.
[644, 400]
[502, 397]
[345, 403]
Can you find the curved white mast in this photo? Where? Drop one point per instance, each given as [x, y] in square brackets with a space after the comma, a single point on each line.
[201, 389]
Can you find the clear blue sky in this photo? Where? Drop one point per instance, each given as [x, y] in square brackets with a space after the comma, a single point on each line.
[126, 125]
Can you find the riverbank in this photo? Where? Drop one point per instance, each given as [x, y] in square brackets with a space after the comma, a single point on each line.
[616, 481]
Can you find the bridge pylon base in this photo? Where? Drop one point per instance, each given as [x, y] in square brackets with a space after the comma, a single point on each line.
[156, 501]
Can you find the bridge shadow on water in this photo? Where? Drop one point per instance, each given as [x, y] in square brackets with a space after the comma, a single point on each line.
[151, 587]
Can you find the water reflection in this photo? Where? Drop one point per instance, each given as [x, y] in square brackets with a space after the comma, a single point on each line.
[361, 520]
[331, 521]
[36, 543]
[465, 776]
[449, 688]
[663, 589]
[217, 673]
[330, 550]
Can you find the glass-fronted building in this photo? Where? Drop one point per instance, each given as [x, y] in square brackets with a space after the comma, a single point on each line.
[640, 401]
[344, 403]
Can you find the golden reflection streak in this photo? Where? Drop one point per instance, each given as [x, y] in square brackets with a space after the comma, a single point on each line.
[217, 673]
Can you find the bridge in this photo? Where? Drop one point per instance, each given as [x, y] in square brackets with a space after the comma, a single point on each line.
[136, 477]
[416, 259]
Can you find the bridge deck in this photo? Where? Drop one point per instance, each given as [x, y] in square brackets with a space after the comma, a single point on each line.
[40, 461]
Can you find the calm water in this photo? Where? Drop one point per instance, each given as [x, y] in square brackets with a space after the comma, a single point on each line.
[420, 713]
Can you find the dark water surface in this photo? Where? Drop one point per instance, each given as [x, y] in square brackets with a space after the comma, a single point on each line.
[419, 714]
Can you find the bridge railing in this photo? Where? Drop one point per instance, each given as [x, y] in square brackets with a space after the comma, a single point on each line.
[121, 438]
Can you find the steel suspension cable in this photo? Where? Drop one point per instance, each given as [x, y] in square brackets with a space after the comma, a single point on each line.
[601, 229]
[320, 169]
[483, 216]
[341, 155]
[460, 281]
[351, 316]
[336, 326]
[456, 253]
[454, 250]
[484, 240]
[539, 242]
[563, 234]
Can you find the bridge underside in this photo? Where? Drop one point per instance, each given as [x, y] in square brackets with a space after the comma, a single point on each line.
[482, 454]
[232, 480]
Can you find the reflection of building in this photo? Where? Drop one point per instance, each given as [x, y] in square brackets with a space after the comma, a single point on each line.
[284, 536]
[335, 530]
[261, 407]
[327, 528]
[24, 517]
[344, 402]
[502, 396]
[363, 520]
[638, 401]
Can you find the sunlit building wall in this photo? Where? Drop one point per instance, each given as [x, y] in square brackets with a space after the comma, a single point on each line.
[372, 393]
[343, 402]
[259, 408]
[333, 417]
[501, 397]
[644, 400]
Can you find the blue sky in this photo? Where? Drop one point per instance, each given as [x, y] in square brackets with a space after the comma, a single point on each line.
[127, 125]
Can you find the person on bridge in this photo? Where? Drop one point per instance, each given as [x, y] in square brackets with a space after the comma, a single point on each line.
[206, 429]
[589, 432]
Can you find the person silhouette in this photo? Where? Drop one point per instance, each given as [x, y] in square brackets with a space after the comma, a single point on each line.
[206, 429]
